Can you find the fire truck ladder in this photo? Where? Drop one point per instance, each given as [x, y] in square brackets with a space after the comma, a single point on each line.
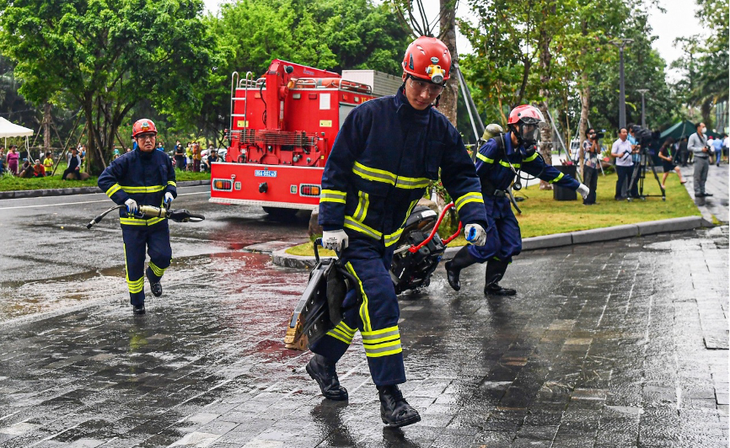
[236, 83]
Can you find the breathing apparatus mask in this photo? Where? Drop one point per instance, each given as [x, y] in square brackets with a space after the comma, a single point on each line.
[527, 131]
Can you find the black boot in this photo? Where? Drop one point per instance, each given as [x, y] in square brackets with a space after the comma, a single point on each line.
[155, 286]
[394, 409]
[495, 272]
[323, 372]
[461, 260]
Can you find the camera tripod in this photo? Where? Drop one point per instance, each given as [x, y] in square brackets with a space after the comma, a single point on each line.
[640, 172]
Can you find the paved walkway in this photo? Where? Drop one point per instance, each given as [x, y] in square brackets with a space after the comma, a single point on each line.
[717, 184]
[609, 345]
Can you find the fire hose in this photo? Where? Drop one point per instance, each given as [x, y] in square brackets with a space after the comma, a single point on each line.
[414, 249]
[150, 211]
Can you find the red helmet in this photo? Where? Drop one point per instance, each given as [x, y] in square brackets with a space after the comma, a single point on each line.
[525, 121]
[143, 125]
[428, 58]
[527, 114]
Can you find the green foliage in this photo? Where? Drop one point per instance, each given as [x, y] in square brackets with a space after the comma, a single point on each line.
[107, 56]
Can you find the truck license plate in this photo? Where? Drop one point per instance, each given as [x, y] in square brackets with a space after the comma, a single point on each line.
[264, 173]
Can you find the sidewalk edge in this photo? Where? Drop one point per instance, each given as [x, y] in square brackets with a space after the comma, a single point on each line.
[281, 258]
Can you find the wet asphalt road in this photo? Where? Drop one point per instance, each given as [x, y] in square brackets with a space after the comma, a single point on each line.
[619, 344]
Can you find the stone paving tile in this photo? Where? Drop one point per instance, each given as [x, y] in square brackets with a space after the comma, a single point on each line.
[606, 346]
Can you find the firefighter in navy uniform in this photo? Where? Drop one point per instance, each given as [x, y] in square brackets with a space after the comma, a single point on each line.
[142, 177]
[386, 153]
[498, 161]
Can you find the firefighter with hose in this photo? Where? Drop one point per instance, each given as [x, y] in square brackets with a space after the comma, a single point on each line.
[142, 177]
[388, 151]
[499, 161]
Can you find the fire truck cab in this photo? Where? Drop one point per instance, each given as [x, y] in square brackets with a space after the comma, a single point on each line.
[282, 128]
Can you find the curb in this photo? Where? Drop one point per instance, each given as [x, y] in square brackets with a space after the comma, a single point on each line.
[14, 194]
[281, 258]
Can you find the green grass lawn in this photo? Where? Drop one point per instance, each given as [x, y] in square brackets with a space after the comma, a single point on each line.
[12, 183]
[542, 215]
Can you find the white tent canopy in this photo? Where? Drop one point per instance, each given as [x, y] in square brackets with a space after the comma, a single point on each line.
[8, 129]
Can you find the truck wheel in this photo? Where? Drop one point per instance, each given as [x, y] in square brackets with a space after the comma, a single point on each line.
[281, 213]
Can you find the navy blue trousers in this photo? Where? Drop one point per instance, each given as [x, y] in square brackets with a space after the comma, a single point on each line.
[504, 239]
[155, 239]
[376, 318]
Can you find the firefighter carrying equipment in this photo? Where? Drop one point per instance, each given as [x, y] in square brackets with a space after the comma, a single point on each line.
[320, 309]
[148, 211]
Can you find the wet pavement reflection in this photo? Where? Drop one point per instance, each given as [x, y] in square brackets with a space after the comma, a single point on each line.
[618, 344]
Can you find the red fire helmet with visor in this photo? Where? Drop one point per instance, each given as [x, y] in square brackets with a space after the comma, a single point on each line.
[525, 121]
[143, 126]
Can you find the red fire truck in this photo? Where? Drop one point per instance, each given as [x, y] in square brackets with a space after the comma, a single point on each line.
[282, 129]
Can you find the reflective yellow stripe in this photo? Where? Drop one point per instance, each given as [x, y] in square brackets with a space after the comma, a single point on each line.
[135, 286]
[158, 271]
[333, 196]
[377, 336]
[362, 206]
[343, 333]
[560, 176]
[113, 189]
[140, 222]
[377, 175]
[353, 224]
[531, 158]
[382, 342]
[373, 174]
[393, 237]
[364, 314]
[467, 198]
[506, 164]
[145, 189]
[411, 183]
[484, 159]
[172, 182]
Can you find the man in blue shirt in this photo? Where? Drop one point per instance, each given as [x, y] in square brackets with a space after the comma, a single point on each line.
[717, 146]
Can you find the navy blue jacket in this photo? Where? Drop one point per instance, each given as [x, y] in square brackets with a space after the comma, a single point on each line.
[144, 177]
[384, 157]
[493, 167]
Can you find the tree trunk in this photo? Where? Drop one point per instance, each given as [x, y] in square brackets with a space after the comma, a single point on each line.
[447, 103]
[47, 128]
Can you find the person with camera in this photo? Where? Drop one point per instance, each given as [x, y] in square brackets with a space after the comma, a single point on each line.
[668, 162]
[697, 144]
[591, 153]
[622, 151]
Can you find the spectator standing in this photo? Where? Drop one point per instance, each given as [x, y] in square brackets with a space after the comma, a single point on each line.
[38, 169]
[12, 160]
[197, 157]
[683, 152]
[189, 155]
[2, 160]
[726, 147]
[48, 163]
[698, 145]
[180, 160]
[717, 146]
[74, 165]
[591, 151]
[668, 162]
[160, 147]
[621, 151]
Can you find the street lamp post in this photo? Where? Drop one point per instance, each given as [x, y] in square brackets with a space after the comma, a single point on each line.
[621, 43]
[643, 115]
